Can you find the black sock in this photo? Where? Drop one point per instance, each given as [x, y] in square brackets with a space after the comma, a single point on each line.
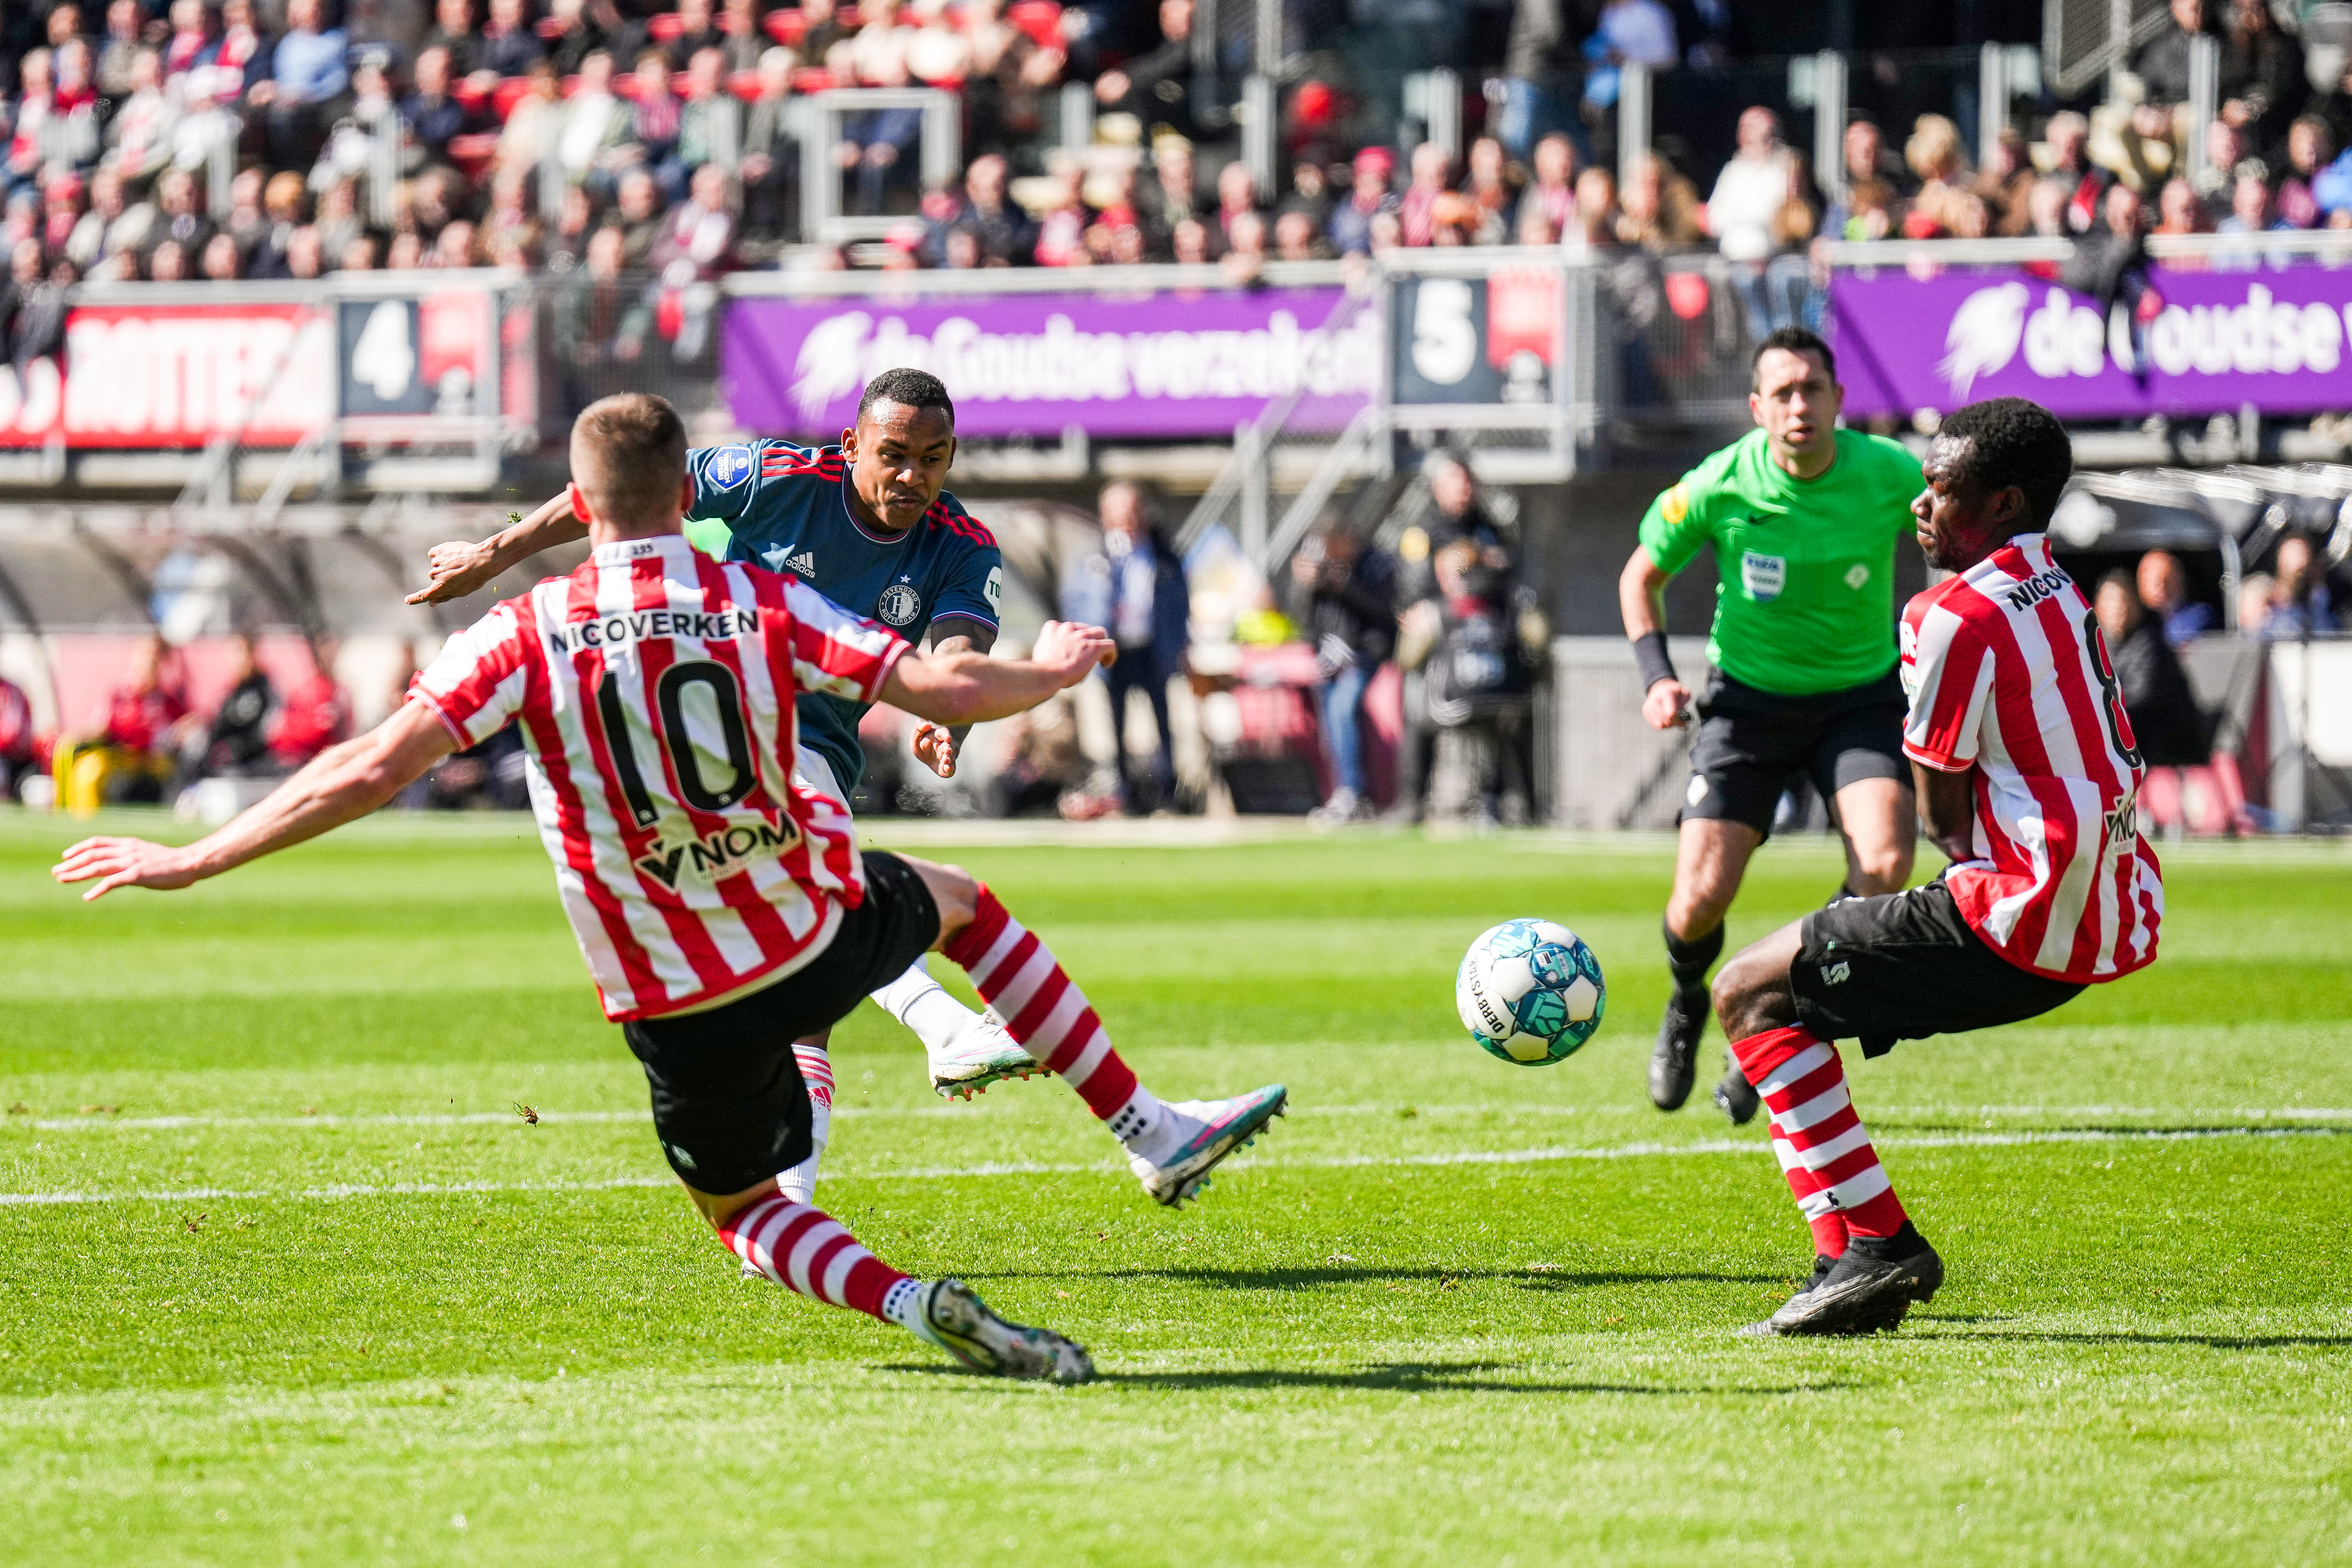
[1688, 961]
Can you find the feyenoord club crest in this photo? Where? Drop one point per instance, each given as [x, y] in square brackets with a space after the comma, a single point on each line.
[900, 604]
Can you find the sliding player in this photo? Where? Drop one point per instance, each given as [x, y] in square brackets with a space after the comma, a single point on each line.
[721, 902]
[868, 525]
[2028, 779]
[1802, 518]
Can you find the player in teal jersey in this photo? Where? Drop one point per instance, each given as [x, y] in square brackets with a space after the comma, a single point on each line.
[1803, 519]
[867, 524]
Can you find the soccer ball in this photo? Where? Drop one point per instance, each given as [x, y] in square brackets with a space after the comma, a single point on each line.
[1530, 991]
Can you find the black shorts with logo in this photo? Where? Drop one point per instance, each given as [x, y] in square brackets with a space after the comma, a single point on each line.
[1751, 744]
[1905, 965]
[729, 1105]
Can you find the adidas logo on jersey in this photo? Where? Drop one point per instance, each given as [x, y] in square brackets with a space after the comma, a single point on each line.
[802, 565]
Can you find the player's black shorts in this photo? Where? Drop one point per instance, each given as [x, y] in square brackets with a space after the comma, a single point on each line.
[729, 1107]
[1905, 965]
[1752, 743]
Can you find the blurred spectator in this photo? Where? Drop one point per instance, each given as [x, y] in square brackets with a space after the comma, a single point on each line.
[583, 28]
[1351, 221]
[1455, 514]
[2257, 597]
[405, 254]
[1553, 189]
[1039, 760]
[595, 130]
[1659, 209]
[2083, 182]
[317, 714]
[1237, 195]
[2307, 154]
[2178, 211]
[1935, 157]
[1010, 75]
[359, 253]
[2265, 85]
[1541, 65]
[2166, 725]
[2111, 264]
[305, 257]
[1156, 87]
[132, 758]
[512, 217]
[281, 203]
[510, 45]
[138, 137]
[770, 164]
[655, 118]
[1343, 594]
[1296, 239]
[455, 247]
[107, 231]
[221, 263]
[939, 54]
[1062, 231]
[192, 24]
[566, 244]
[2301, 606]
[2163, 588]
[1433, 172]
[2162, 63]
[1001, 231]
[1490, 192]
[710, 122]
[2249, 213]
[453, 34]
[339, 217]
[875, 140]
[433, 116]
[167, 263]
[1191, 243]
[602, 318]
[823, 28]
[2006, 183]
[697, 31]
[241, 57]
[2225, 153]
[17, 740]
[1244, 258]
[1136, 588]
[1311, 195]
[534, 127]
[237, 739]
[308, 75]
[1480, 681]
[742, 44]
[39, 328]
[1751, 189]
[246, 223]
[1174, 196]
[636, 216]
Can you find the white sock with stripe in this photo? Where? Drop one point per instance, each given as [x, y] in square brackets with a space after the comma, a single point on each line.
[799, 1183]
[918, 1001]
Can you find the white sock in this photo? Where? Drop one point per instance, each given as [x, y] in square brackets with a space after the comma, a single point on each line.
[1146, 1124]
[799, 1183]
[916, 1000]
[903, 1303]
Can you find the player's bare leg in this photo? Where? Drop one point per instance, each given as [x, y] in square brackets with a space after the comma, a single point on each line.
[1170, 1148]
[1871, 1265]
[805, 1249]
[1876, 821]
[1709, 860]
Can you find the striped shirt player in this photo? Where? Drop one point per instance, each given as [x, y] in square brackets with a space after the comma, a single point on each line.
[868, 524]
[2027, 777]
[722, 907]
[2010, 678]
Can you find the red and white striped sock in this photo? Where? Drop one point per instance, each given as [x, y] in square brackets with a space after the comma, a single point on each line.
[1823, 1148]
[1019, 977]
[816, 1072]
[807, 1250]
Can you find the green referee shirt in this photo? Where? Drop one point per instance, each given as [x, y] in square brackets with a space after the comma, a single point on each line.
[1806, 603]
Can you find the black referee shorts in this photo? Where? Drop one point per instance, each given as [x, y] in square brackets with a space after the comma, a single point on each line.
[1902, 967]
[729, 1105]
[1752, 743]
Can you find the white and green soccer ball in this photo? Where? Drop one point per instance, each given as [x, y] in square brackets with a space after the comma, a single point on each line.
[1530, 991]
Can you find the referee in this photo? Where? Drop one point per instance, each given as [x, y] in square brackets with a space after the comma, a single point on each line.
[1802, 517]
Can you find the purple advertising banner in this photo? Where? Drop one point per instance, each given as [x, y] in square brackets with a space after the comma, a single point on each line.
[1035, 365]
[2274, 337]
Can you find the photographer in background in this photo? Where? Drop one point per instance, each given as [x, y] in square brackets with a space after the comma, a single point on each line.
[1343, 593]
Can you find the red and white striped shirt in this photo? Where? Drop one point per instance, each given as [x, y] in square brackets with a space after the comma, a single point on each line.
[654, 687]
[2008, 673]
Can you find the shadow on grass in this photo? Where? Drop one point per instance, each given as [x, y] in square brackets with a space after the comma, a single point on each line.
[2132, 1337]
[1401, 1377]
[1311, 1277]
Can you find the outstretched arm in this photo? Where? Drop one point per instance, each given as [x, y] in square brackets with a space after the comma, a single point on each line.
[967, 687]
[1642, 600]
[936, 747]
[339, 784]
[458, 568]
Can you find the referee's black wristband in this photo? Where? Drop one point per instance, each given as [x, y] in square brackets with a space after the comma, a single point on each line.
[1650, 656]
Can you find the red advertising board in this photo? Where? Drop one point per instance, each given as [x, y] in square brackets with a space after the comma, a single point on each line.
[177, 377]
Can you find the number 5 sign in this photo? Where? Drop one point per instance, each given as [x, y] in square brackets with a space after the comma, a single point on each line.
[1474, 339]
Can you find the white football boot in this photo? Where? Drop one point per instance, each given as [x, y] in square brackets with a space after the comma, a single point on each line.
[1206, 1132]
[980, 1055]
[957, 1320]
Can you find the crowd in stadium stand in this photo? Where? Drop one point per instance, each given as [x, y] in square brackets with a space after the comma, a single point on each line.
[670, 132]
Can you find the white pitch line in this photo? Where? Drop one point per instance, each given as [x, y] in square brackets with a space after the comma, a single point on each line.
[98, 1122]
[1306, 1163]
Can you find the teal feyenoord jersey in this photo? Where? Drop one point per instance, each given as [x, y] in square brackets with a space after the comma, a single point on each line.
[787, 507]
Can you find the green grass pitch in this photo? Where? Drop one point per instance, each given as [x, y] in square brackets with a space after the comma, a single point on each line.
[287, 1278]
